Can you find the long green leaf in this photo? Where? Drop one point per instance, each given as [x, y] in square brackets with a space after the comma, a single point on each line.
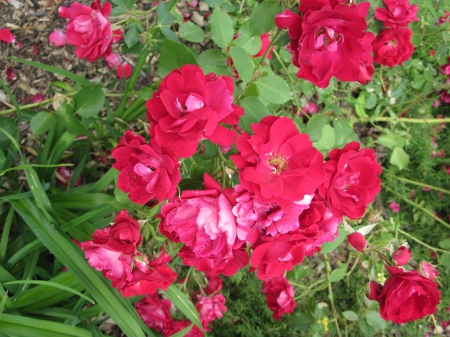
[182, 302]
[51, 284]
[69, 254]
[5, 235]
[55, 70]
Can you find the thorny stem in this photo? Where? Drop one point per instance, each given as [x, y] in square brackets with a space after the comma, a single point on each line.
[423, 209]
[420, 184]
[330, 294]
[297, 105]
[422, 243]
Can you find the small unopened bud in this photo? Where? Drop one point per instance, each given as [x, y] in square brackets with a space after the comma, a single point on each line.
[357, 241]
[401, 256]
[374, 290]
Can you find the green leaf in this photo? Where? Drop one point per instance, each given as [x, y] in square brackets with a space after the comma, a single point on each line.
[221, 28]
[71, 256]
[75, 127]
[243, 63]
[262, 18]
[327, 140]
[254, 112]
[42, 122]
[273, 89]
[214, 3]
[89, 100]
[374, 320]
[173, 56]
[328, 247]
[350, 315]
[9, 125]
[399, 158]
[339, 273]
[164, 15]
[183, 332]
[301, 321]
[418, 82]
[212, 57]
[251, 45]
[315, 126]
[387, 141]
[2, 159]
[131, 36]
[189, 31]
[371, 101]
[444, 244]
[182, 303]
[167, 32]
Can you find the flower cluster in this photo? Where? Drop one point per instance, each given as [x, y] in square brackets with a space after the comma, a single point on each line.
[406, 295]
[114, 252]
[393, 44]
[329, 39]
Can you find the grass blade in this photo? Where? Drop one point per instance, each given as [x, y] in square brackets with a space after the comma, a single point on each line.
[182, 302]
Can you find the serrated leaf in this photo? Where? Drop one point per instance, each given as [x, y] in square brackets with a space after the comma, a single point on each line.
[164, 15]
[243, 63]
[315, 126]
[212, 57]
[182, 303]
[254, 112]
[262, 18]
[251, 45]
[131, 36]
[173, 55]
[301, 321]
[189, 31]
[399, 158]
[89, 100]
[221, 28]
[339, 273]
[42, 122]
[371, 101]
[374, 320]
[350, 315]
[167, 32]
[444, 244]
[387, 141]
[327, 140]
[273, 89]
[328, 247]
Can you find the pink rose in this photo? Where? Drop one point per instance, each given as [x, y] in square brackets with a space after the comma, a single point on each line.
[393, 46]
[210, 308]
[155, 312]
[180, 325]
[214, 284]
[146, 170]
[398, 13]
[428, 270]
[124, 70]
[89, 30]
[351, 180]
[407, 296]
[277, 163]
[401, 256]
[189, 106]
[394, 207]
[148, 276]
[204, 222]
[125, 234]
[329, 40]
[58, 38]
[279, 296]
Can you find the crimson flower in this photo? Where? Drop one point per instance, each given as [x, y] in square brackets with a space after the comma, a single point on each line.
[393, 46]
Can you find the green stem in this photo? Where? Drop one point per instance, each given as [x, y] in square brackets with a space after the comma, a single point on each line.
[261, 61]
[330, 294]
[414, 120]
[136, 113]
[423, 243]
[423, 209]
[134, 106]
[420, 184]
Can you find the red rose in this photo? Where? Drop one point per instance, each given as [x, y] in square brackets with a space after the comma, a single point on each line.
[351, 180]
[330, 40]
[155, 312]
[188, 106]
[357, 241]
[401, 256]
[265, 43]
[393, 46]
[280, 296]
[398, 13]
[180, 325]
[277, 163]
[146, 170]
[210, 308]
[407, 296]
[125, 234]
[89, 30]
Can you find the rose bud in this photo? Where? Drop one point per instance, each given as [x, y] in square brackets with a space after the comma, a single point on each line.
[428, 270]
[374, 290]
[401, 256]
[357, 241]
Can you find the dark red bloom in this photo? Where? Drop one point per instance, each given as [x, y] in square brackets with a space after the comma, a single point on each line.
[407, 296]
[351, 181]
[401, 256]
[155, 312]
[393, 46]
[146, 170]
[398, 13]
[189, 106]
[277, 163]
[280, 296]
